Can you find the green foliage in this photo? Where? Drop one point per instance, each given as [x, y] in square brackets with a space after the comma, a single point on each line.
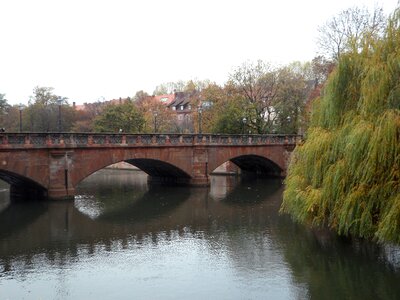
[44, 110]
[3, 103]
[347, 174]
[290, 99]
[229, 118]
[115, 117]
[4, 111]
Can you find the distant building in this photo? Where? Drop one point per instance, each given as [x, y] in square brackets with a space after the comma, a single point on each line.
[183, 104]
[164, 99]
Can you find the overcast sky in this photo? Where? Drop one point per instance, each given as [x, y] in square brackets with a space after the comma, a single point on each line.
[86, 49]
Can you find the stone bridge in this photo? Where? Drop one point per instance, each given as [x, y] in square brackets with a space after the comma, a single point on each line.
[52, 164]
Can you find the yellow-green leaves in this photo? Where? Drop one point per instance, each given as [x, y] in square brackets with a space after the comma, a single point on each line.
[347, 173]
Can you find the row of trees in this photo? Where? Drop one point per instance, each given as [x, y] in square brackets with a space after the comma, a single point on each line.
[257, 98]
[41, 114]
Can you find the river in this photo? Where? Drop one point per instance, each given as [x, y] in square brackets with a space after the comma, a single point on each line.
[123, 239]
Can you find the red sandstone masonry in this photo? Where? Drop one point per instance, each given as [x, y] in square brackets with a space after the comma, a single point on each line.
[58, 162]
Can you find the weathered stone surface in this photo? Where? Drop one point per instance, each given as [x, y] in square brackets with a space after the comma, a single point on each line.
[58, 166]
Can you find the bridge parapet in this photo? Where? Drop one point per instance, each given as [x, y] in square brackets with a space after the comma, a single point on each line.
[82, 140]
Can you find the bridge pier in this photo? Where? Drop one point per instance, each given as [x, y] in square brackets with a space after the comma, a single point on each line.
[200, 167]
[60, 187]
[200, 181]
[61, 193]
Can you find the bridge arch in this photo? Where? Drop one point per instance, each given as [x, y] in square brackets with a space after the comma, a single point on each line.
[22, 187]
[257, 164]
[252, 163]
[159, 168]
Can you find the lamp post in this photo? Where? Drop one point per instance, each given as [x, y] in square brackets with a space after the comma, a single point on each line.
[200, 111]
[20, 107]
[155, 121]
[244, 120]
[59, 102]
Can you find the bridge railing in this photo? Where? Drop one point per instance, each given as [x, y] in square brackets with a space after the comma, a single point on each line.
[67, 139]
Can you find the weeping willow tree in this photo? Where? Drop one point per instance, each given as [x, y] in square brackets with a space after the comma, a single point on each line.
[346, 175]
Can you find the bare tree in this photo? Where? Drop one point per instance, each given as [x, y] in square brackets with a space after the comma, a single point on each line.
[140, 96]
[170, 87]
[346, 30]
[258, 84]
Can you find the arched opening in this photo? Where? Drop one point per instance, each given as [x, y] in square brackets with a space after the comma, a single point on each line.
[257, 165]
[160, 171]
[22, 188]
[251, 165]
[118, 192]
[243, 168]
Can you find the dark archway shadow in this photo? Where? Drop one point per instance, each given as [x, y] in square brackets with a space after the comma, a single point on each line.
[257, 165]
[23, 188]
[160, 171]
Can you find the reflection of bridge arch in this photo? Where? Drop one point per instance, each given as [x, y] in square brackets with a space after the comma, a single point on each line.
[152, 205]
[241, 195]
[47, 223]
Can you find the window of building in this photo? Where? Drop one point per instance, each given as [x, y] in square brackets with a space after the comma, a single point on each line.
[207, 104]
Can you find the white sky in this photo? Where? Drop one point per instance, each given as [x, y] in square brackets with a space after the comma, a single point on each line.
[112, 48]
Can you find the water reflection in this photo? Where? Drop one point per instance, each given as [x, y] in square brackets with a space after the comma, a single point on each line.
[226, 242]
[338, 267]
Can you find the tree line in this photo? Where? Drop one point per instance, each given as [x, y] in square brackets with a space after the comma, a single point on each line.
[258, 97]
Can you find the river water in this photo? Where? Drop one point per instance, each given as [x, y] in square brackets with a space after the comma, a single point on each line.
[123, 239]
